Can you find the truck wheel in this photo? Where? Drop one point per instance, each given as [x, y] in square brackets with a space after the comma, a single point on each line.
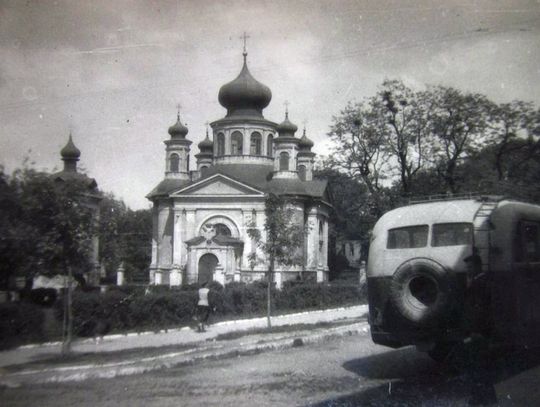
[420, 291]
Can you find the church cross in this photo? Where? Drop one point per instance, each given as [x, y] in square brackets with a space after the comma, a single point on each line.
[245, 37]
[286, 103]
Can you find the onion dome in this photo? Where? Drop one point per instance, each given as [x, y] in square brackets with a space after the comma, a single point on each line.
[244, 95]
[206, 144]
[178, 130]
[286, 127]
[305, 143]
[70, 152]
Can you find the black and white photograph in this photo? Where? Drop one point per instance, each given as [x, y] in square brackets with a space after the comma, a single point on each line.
[313, 203]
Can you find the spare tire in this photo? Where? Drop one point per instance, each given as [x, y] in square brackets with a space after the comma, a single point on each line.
[421, 291]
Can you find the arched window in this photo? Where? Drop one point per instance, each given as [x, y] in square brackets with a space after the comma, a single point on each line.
[222, 230]
[236, 143]
[302, 172]
[255, 147]
[270, 146]
[174, 162]
[220, 144]
[284, 161]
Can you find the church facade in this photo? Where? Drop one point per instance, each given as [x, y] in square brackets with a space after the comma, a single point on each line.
[201, 217]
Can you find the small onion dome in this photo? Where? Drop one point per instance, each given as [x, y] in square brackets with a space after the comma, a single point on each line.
[286, 127]
[305, 143]
[206, 144]
[70, 152]
[178, 130]
[244, 93]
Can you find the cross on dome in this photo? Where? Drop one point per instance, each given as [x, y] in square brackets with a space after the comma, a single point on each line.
[245, 37]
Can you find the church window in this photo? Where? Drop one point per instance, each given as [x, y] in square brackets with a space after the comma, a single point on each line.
[236, 143]
[222, 230]
[302, 172]
[284, 161]
[174, 163]
[255, 148]
[270, 146]
[220, 144]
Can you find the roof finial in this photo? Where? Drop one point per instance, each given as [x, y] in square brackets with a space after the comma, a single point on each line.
[206, 124]
[245, 37]
[305, 122]
[178, 107]
[286, 103]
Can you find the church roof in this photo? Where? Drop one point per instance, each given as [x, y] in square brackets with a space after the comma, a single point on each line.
[256, 176]
[70, 176]
[167, 186]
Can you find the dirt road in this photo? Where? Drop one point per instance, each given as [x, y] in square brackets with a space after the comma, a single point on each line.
[349, 371]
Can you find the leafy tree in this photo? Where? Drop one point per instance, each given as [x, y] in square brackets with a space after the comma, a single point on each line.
[282, 241]
[125, 236]
[458, 122]
[48, 225]
[407, 139]
[510, 123]
[359, 136]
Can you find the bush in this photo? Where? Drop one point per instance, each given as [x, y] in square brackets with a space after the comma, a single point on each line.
[43, 296]
[20, 323]
[131, 309]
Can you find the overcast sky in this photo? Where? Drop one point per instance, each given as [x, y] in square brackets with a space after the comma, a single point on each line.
[113, 71]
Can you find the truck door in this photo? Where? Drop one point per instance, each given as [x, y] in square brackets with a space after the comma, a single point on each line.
[527, 273]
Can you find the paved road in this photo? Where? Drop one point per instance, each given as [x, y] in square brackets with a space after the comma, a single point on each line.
[348, 371]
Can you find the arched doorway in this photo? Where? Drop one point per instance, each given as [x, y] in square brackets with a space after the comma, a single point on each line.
[207, 266]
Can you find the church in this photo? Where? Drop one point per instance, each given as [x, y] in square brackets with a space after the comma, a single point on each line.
[201, 217]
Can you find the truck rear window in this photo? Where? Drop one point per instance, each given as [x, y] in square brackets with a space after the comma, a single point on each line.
[408, 237]
[451, 234]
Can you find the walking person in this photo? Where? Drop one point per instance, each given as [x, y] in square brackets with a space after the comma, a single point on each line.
[203, 307]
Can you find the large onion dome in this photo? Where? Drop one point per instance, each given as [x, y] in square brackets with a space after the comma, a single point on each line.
[286, 127]
[178, 130]
[244, 95]
[70, 152]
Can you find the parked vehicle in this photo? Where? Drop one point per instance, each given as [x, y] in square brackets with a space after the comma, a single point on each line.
[442, 271]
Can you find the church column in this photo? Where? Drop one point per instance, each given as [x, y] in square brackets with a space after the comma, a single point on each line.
[313, 240]
[177, 238]
[227, 142]
[323, 262]
[154, 262]
[246, 145]
[190, 231]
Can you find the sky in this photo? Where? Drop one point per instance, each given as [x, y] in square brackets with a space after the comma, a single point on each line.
[112, 72]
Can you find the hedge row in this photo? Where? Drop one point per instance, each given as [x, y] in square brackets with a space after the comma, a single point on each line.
[133, 309]
[20, 323]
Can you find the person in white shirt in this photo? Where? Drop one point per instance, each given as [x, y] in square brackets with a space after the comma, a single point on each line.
[203, 307]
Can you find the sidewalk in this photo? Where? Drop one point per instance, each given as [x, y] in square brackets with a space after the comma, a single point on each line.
[189, 346]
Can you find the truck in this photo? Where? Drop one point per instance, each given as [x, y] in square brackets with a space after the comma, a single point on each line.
[444, 270]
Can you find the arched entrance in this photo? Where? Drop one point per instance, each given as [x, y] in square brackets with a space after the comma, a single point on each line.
[207, 266]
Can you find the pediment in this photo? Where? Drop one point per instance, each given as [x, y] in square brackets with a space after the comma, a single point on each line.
[217, 185]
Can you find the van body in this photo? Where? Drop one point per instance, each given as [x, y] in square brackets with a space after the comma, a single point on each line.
[441, 271]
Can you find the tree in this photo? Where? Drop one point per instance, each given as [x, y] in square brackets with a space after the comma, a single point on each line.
[281, 243]
[407, 139]
[46, 225]
[458, 123]
[509, 123]
[358, 134]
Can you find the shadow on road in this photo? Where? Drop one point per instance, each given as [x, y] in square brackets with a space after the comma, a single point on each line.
[406, 377]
